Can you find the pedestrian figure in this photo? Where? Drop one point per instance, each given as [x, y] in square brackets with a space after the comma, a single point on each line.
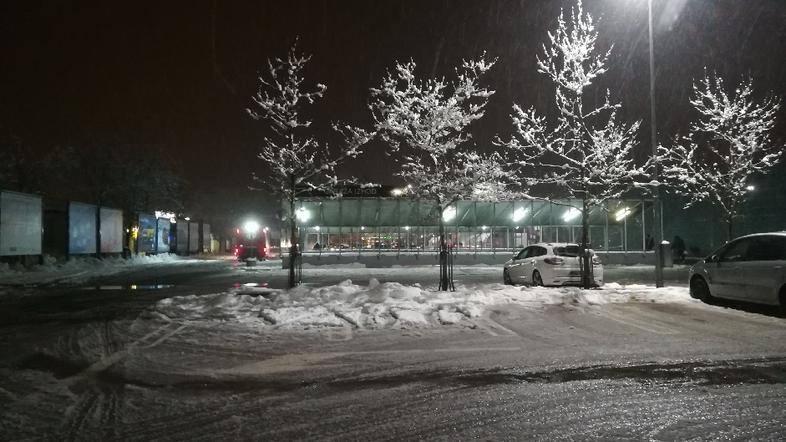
[678, 246]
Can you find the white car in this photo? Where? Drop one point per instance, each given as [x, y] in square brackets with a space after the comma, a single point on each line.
[750, 268]
[549, 264]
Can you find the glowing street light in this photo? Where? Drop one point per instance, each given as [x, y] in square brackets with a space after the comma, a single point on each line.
[251, 227]
[571, 214]
[302, 214]
[519, 214]
[449, 213]
[622, 214]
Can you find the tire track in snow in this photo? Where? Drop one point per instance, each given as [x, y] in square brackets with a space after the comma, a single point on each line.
[160, 335]
[76, 417]
[96, 412]
[338, 334]
[493, 327]
[167, 335]
[655, 327]
[103, 401]
[107, 342]
[382, 421]
[113, 399]
[8, 394]
[181, 425]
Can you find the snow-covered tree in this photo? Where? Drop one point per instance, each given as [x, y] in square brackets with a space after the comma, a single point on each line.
[297, 163]
[586, 152]
[425, 123]
[727, 143]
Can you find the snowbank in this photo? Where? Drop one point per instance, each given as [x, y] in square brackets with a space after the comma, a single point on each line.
[79, 269]
[393, 305]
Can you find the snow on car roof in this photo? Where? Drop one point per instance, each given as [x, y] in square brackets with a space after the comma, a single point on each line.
[555, 244]
[781, 233]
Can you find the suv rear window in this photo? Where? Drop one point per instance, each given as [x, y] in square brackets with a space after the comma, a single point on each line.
[567, 251]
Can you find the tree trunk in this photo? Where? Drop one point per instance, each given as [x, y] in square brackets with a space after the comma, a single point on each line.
[444, 277]
[729, 223]
[586, 264]
[294, 255]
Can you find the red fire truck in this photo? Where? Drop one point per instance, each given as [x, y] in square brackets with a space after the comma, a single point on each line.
[250, 241]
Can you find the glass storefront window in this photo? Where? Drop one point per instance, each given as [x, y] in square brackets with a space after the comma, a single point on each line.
[500, 238]
[616, 240]
[597, 237]
[387, 224]
[534, 234]
[484, 238]
[549, 234]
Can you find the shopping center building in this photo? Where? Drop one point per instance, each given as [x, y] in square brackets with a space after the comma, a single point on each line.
[379, 224]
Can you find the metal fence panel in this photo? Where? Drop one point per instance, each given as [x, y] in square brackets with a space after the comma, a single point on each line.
[20, 224]
[81, 228]
[111, 230]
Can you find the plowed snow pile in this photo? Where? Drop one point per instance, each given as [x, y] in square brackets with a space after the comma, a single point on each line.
[392, 304]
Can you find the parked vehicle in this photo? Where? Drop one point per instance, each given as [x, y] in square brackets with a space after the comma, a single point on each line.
[250, 242]
[551, 264]
[750, 268]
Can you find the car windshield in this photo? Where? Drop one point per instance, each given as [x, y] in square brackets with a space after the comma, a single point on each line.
[567, 251]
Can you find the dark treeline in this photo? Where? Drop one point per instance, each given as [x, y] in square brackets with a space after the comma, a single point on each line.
[133, 178]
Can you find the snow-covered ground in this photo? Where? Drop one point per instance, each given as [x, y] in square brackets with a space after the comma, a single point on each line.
[206, 365]
[393, 305]
[350, 295]
[81, 269]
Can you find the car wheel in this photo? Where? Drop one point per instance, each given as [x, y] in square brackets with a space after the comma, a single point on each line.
[506, 277]
[699, 289]
[537, 279]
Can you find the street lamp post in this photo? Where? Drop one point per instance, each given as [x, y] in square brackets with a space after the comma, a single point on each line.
[658, 225]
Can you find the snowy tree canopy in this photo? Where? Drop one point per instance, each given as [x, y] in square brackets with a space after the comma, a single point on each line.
[425, 123]
[727, 143]
[585, 152]
[298, 162]
[570, 59]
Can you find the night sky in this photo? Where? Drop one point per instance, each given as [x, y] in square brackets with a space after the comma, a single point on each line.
[180, 74]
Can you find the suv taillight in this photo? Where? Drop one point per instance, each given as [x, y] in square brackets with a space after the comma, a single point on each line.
[554, 261]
